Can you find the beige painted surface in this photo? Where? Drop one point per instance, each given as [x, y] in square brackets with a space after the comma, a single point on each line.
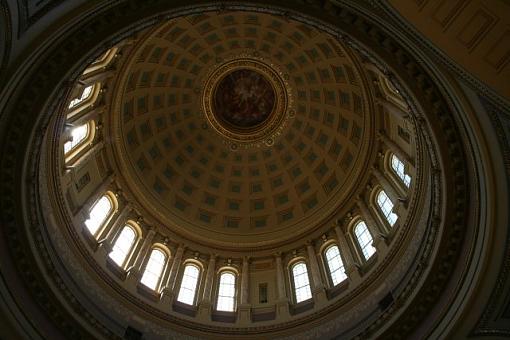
[474, 33]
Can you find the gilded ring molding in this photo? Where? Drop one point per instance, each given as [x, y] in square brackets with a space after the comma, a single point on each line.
[272, 127]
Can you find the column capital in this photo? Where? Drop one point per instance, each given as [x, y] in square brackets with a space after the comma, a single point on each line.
[309, 243]
[150, 229]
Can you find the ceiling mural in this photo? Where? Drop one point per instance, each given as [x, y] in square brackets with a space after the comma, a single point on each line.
[244, 99]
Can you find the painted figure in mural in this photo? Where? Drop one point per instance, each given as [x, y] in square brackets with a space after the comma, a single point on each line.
[244, 98]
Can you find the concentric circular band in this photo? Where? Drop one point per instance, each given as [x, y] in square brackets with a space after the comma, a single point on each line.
[270, 128]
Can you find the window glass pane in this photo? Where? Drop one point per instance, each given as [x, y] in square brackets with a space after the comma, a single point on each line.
[335, 265]
[301, 282]
[78, 135]
[123, 245]
[386, 206]
[102, 57]
[98, 214]
[84, 95]
[189, 284]
[364, 239]
[226, 292]
[398, 167]
[154, 269]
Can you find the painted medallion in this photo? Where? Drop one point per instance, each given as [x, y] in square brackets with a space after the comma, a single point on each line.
[244, 99]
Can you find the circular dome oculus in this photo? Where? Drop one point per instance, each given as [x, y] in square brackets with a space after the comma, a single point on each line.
[244, 99]
[247, 101]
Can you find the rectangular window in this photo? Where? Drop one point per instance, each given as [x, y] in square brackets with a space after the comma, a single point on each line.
[263, 293]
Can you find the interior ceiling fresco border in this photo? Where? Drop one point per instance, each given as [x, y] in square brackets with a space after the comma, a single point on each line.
[36, 94]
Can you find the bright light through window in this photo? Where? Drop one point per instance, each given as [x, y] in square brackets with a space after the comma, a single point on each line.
[365, 240]
[122, 246]
[398, 166]
[386, 206]
[301, 282]
[154, 269]
[227, 292]
[84, 95]
[188, 284]
[98, 214]
[78, 135]
[335, 265]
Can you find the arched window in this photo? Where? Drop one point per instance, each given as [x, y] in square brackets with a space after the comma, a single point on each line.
[154, 269]
[79, 134]
[386, 206]
[102, 61]
[301, 282]
[123, 246]
[99, 213]
[335, 265]
[364, 239]
[189, 284]
[86, 93]
[227, 292]
[398, 167]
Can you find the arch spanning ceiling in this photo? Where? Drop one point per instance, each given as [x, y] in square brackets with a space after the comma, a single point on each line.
[189, 177]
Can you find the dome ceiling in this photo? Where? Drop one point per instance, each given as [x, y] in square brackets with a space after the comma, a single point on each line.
[290, 176]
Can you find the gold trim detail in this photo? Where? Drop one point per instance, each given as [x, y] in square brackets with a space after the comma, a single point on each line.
[265, 133]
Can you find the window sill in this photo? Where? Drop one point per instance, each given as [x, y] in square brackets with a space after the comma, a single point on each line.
[185, 309]
[338, 289]
[221, 316]
[302, 306]
[119, 272]
[148, 293]
[263, 313]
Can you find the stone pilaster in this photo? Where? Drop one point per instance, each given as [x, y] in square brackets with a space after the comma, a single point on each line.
[350, 265]
[205, 306]
[245, 306]
[376, 230]
[318, 291]
[168, 290]
[282, 303]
